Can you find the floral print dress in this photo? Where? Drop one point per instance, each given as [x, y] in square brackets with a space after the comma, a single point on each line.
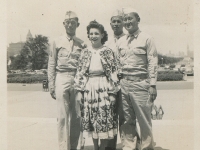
[97, 79]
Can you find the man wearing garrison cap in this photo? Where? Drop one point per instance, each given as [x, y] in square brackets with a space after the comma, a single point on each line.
[116, 23]
[63, 59]
[137, 57]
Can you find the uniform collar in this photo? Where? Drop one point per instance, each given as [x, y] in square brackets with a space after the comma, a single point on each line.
[118, 36]
[135, 34]
[70, 37]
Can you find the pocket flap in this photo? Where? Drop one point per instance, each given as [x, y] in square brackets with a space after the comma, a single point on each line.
[139, 51]
[122, 52]
[63, 52]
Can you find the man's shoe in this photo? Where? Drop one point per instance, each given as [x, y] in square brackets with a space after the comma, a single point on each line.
[110, 148]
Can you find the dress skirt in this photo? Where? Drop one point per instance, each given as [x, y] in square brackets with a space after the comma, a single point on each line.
[98, 109]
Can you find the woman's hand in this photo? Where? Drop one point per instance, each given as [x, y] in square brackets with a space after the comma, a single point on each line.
[119, 75]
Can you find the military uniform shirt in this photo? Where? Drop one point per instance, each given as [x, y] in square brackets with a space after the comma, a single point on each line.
[112, 42]
[64, 55]
[137, 55]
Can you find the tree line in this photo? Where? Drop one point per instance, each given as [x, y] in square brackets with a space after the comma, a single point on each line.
[33, 55]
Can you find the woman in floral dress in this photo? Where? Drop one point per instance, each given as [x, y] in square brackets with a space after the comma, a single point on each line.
[96, 79]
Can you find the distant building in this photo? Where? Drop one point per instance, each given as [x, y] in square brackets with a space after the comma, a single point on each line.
[15, 48]
[181, 54]
[189, 52]
[29, 35]
[170, 54]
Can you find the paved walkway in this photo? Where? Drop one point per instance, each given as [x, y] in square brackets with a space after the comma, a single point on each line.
[32, 121]
[41, 134]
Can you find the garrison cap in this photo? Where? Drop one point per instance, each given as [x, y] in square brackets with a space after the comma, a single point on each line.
[70, 14]
[117, 13]
[129, 10]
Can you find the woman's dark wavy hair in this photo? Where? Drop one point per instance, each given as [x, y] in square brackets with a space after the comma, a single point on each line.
[96, 25]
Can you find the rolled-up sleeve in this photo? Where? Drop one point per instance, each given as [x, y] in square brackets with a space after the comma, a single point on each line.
[52, 65]
[152, 57]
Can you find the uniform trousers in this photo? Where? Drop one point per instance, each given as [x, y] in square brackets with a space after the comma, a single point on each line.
[120, 118]
[69, 125]
[136, 105]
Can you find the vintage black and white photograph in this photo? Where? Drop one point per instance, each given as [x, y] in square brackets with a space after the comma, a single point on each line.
[100, 75]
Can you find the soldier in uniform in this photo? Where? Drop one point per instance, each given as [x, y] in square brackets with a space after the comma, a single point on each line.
[62, 66]
[137, 57]
[116, 23]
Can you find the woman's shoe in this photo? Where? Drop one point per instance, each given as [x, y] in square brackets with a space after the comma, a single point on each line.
[160, 113]
[154, 113]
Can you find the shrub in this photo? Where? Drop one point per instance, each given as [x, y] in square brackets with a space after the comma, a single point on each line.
[162, 65]
[44, 72]
[172, 66]
[26, 78]
[169, 75]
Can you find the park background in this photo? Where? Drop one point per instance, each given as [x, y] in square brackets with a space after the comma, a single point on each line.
[170, 25]
[156, 18]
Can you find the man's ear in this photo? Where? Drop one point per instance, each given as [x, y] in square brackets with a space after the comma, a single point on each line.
[78, 24]
[63, 23]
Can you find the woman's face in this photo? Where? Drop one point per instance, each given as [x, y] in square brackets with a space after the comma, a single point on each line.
[95, 36]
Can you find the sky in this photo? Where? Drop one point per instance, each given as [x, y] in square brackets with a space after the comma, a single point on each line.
[169, 22]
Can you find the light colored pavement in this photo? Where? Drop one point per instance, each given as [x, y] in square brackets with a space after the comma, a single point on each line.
[32, 121]
[41, 134]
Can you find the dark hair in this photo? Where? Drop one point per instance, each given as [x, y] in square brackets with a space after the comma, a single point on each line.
[137, 16]
[96, 25]
[76, 19]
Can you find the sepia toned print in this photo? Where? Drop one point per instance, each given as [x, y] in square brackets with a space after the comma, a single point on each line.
[36, 40]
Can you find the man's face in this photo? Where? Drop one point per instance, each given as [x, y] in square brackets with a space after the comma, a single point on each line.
[71, 25]
[130, 22]
[116, 24]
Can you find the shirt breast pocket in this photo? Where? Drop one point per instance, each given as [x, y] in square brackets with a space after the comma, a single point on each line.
[139, 51]
[122, 52]
[140, 55]
[63, 52]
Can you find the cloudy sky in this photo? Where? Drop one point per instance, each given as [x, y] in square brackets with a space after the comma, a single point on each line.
[169, 22]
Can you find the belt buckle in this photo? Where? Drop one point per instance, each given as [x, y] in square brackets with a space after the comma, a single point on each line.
[131, 78]
[134, 78]
[137, 79]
